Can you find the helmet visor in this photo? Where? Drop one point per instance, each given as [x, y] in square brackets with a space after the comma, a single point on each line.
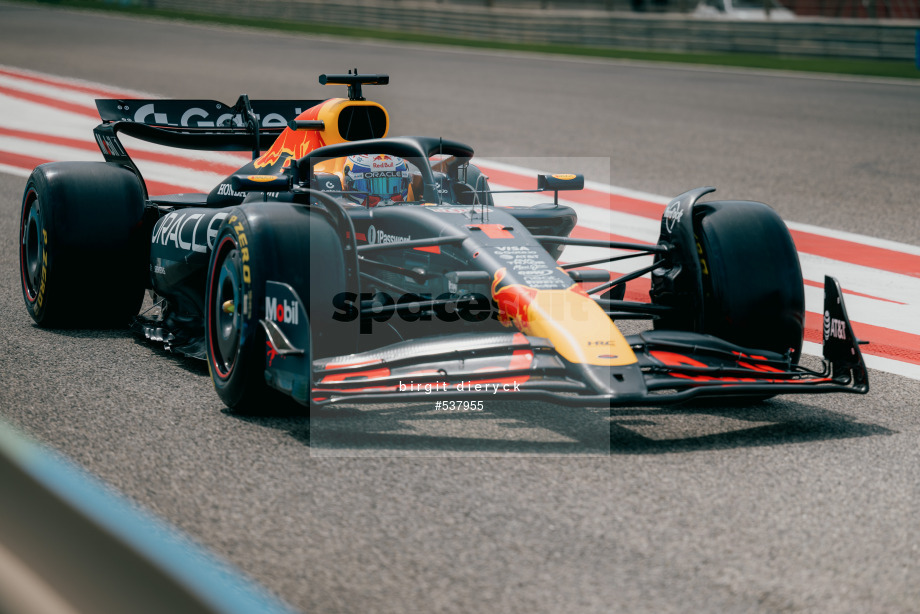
[382, 183]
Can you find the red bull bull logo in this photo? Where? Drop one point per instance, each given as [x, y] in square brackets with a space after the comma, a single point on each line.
[293, 143]
[579, 329]
[513, 301]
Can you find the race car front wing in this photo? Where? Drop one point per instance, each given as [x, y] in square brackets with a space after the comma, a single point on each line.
[671, 367]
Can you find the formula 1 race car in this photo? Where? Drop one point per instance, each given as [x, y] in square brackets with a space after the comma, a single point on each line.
[344, 266]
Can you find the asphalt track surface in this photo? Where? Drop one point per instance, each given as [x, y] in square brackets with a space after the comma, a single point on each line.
[797, 504]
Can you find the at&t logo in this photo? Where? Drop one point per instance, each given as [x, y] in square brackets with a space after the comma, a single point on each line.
[834, 328]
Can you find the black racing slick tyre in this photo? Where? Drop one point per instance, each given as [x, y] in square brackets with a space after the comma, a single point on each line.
[82, 253]
[753, 292]
[271, 245]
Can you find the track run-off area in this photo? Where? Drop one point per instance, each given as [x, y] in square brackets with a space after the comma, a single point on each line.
[880, 278]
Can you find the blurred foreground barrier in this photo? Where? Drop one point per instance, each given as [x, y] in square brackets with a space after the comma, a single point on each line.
[69, 546]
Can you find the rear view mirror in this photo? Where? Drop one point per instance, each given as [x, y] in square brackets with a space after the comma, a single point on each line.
[260, 183]
[560, 182]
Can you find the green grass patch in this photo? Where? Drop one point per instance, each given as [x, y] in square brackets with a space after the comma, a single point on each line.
[874, 68]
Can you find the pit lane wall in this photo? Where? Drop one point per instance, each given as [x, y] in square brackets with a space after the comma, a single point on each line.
[837, 38]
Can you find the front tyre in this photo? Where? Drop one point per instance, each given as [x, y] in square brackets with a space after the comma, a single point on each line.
[753, 292]
[235, 339]
[284, 264]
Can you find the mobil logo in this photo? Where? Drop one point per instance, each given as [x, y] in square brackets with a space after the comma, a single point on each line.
[281, 311]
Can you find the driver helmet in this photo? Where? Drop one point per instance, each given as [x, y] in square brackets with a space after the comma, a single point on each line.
[379, 177]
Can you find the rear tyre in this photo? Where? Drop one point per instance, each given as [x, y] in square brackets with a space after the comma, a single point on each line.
[753, 293]
[82, 253]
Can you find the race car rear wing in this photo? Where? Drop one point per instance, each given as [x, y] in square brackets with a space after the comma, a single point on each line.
[197, 124]
[209, 124]
[202, 114]
[206, 125]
